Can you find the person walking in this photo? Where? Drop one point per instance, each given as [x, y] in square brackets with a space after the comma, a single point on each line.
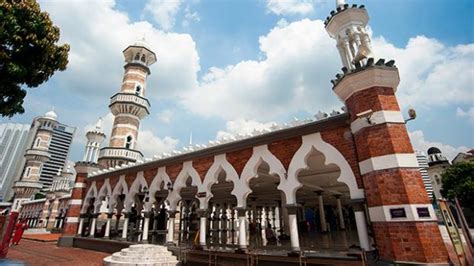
[20, 228]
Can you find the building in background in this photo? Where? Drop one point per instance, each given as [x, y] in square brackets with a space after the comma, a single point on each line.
[423, 163]
[464, 156]
[37, 153]
[59, 150]
[13, 139]
[437, 163]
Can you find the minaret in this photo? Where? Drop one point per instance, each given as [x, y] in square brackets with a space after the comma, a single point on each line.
[29, 183]
[95, 137]
[347, 26]
[129, 106]
[403, 220]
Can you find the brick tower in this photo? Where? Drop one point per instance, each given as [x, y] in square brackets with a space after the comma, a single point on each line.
[37, 154]
[129, 106]
[403, 220]
[88, 165]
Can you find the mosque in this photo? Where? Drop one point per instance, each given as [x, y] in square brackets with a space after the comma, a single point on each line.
[343, 187]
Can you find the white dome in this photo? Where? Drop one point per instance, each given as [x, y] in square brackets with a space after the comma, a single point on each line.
[142, 43]
[51, 115]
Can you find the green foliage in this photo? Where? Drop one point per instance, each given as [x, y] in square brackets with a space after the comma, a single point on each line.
[28, 53]
[458, 181]
[39, 195]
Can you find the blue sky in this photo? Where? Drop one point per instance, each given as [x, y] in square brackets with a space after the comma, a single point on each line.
[226, 67]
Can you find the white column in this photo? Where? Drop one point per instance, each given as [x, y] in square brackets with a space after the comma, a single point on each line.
[86, 153]
[322, 216]
[339, 212]
[284, 212]
[125, 227]
[170, 235]
[294, 237]
[81, 224]
[242, 229]
[202, 228]
[107, 225]
[146, 224]
[92, 231]
[348, 53]
[362, 230]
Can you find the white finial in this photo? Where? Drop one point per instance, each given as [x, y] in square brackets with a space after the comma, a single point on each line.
[340, 3]
[60, 170]
[98, 125]
[191, 138]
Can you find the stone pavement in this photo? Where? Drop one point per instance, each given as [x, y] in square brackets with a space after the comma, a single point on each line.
[42, 237]
[47, 253]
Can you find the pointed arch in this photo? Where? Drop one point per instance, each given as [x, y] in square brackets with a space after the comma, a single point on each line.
[120, 188]
[220, 164]
[188, 171]
[91, 194]
[155, 186]
[138, 183]
[260, 154]
[331, 155]
[105, 193]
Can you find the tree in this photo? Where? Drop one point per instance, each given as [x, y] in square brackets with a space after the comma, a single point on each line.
[29, 55]
[458, 181]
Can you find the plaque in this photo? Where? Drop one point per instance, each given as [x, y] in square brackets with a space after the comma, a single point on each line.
[398, 213]
[423, 212]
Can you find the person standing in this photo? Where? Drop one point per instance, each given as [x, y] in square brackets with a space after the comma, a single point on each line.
[19, 230]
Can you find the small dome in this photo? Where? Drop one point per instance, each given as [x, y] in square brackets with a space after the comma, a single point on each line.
[433, 150]
[51, 115]
[142, 43]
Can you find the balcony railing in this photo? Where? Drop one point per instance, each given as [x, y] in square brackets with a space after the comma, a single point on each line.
[130, 98]
[36, 154]
[120, 153]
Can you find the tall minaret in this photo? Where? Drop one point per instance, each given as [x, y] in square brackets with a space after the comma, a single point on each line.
[347, 26]
[129, 106]
[95, 137]
[403, 220]
[37, 154]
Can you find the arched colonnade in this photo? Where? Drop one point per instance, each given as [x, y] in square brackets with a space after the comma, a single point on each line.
[221, 202]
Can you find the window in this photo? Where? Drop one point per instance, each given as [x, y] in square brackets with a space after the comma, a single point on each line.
[143, 58]
[37, 142]
[138, 90]
[28, 170]
[128, 143]
[137, 57]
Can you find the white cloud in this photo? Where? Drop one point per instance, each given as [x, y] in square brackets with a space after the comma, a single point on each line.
[165, 116]
[290, 7]
[241, 126]
[299, 60]
[164, 12]
[150, 145]
[421, 144]
[469, 113]
[431, 74]
[95, 61]
[189, 17]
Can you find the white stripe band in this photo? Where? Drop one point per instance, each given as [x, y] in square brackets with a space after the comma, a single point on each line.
[75, 202]
[72, 220]
[398, 160]
[391, 213]
[379, 117]
[80, 185]
[126, 126]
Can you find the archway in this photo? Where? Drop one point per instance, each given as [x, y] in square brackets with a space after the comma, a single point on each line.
[222, 214]
[264, 205]
[326, 218]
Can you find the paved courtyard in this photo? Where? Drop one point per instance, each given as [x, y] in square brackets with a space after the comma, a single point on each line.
[47, 253]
